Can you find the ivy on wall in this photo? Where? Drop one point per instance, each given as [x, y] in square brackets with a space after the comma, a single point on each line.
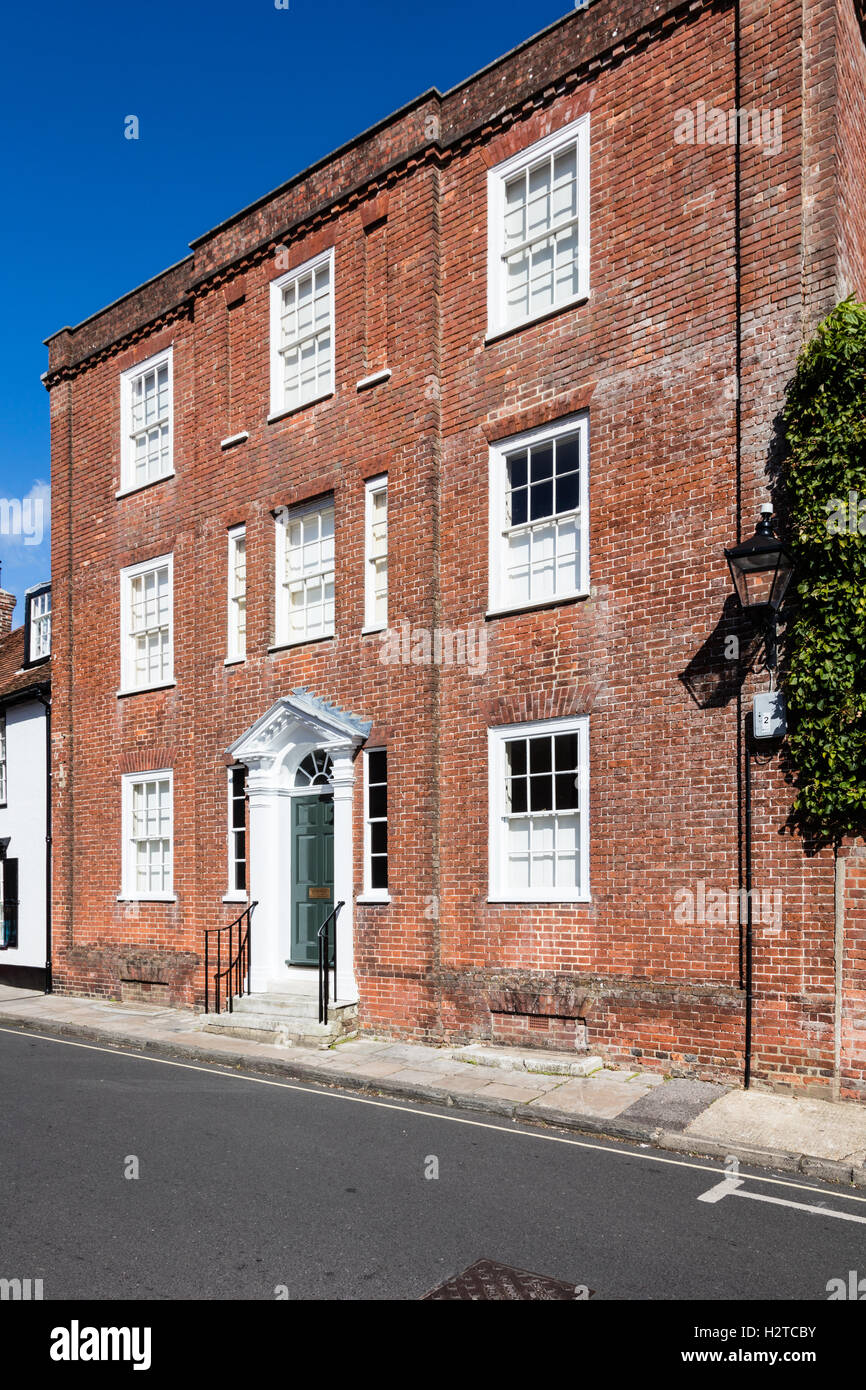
[825, 423]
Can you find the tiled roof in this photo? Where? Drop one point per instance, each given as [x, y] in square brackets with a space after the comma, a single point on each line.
[12, 679]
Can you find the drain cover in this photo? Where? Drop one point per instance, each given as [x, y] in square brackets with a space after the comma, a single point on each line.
[486, 1280]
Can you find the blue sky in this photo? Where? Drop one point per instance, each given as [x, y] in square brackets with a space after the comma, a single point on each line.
[232, 99]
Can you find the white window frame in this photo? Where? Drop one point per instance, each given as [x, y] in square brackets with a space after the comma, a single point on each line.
[39, 636]
[576, 132]
[236, 643]
[498, 889]
[127, 657]
[129, 891]
[278, 405]
[371, 894]
[127, 453]
[371, 488]
[4, 760]
[499, 600]
[283, 520]
[235, 895]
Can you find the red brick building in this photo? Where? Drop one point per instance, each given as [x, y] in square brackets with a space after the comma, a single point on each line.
[402, 501]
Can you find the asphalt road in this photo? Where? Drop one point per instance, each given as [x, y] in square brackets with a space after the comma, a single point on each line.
[249, 1184]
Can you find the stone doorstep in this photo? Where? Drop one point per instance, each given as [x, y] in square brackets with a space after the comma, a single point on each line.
[281, 1027]
[544, 1063]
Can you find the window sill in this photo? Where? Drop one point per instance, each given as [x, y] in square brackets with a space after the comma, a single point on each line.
[294, 409]
[539, 603]
[371, 631]
[234, 439]
[495, 334]
[234, 661]
[367, 898]
[521, 901]
[301, 642]
[374, 379]
[147, 898]
[123, 694]
[142, 487]
[235, 898]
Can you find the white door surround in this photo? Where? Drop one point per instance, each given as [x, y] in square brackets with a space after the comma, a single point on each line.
[298, 724]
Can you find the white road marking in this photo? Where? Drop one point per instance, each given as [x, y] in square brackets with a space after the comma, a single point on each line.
[731, 1187]
[721, 1189]
[406, 1108]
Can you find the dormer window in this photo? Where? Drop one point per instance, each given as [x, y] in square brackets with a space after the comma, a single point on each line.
[38, 624]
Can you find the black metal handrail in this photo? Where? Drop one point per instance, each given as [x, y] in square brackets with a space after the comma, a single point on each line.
[237, 973]
[327, 961]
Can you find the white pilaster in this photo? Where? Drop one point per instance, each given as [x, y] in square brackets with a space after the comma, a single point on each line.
[344, 887]
[269, 868]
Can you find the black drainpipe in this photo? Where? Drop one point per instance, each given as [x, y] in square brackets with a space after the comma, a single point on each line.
[747, 1062]
[747, 743]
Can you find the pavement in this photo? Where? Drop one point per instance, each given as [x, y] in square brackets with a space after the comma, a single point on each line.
[570, 1091]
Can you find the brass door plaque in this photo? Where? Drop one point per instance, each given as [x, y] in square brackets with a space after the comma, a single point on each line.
[319, 892]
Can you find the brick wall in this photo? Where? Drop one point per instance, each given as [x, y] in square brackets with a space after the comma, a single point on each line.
[653, 357]
[851, 107]
[851, 956]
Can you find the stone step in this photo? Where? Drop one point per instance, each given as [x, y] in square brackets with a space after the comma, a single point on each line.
[283, 1028]
[541, 1062]
[293, 1005]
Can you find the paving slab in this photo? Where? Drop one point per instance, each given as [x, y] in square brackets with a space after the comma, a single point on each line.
[406, 1052]
[587, 1096]
[376, 1067]
[421, 1076]
[805, 1126]
[465, 1085]
[675, 1104]
[520, 1094]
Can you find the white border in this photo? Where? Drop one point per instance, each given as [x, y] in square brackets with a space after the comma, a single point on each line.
[374, 485]
[496, 178]
[282, 517]
[496, 598]
[127, 781]
[370, 894]
[496, 740]
[4, 763]
[127, 482]
[234, 895]
[234, 655]
[278, 407]
[125, 655]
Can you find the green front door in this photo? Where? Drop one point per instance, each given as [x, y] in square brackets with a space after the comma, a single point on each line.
[312, 873]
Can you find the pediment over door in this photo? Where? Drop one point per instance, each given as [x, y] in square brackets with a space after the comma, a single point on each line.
[295, 726]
